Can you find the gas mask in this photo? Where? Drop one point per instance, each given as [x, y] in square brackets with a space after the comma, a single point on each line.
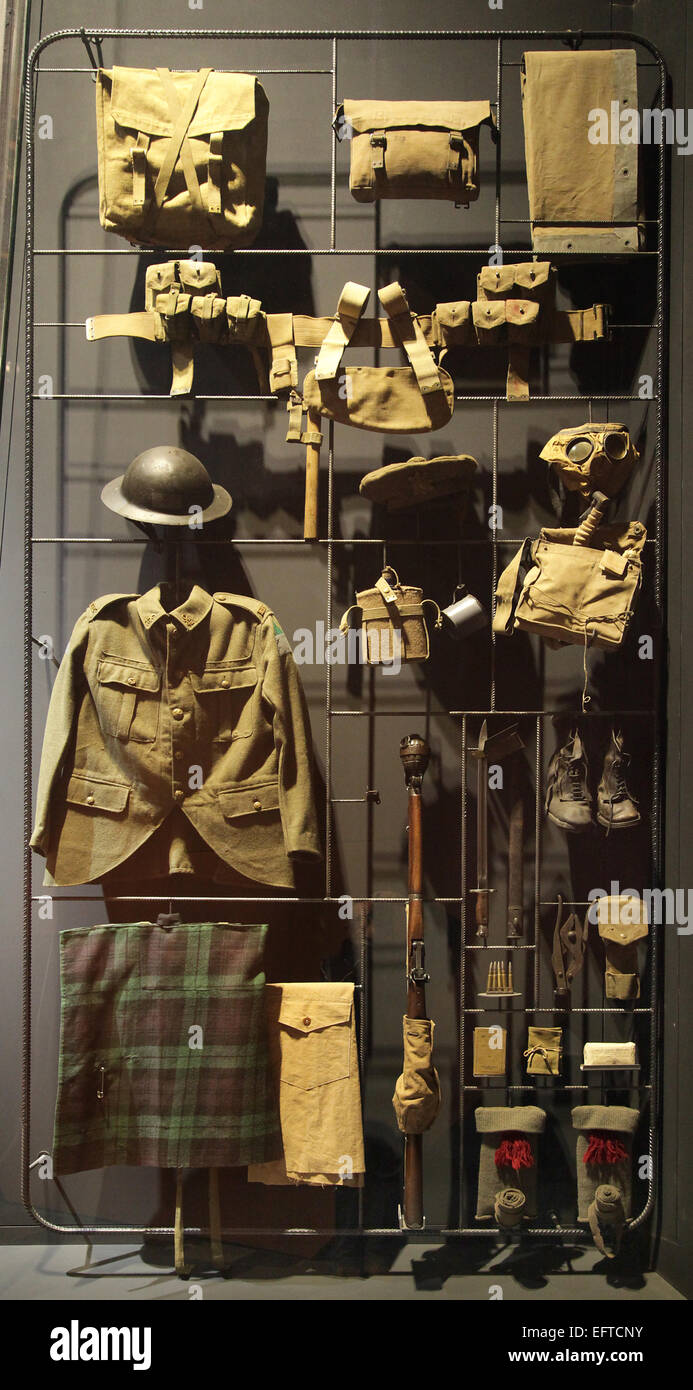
[592, 458]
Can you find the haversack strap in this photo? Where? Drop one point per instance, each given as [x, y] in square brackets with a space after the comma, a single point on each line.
[214, 171]
[407, 330]
[138, 159]
[178, 143]
[352, 302]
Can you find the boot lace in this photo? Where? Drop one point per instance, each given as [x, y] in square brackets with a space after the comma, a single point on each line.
[620, 791]
[575, 781]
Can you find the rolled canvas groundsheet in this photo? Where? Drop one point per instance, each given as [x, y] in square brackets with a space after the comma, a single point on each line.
[573, 183]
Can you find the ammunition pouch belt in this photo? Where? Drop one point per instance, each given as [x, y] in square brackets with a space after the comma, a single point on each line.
[184, 306]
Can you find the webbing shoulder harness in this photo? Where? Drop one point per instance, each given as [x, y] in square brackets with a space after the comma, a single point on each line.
[515, 308]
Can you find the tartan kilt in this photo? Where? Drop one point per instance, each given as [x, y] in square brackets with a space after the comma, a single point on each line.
[163, 1048]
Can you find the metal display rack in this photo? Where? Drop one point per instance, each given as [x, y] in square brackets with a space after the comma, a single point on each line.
[334, 39]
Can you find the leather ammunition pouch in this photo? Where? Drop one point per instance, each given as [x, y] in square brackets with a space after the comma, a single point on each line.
[391, 616]
[414, 149]
[181, 156]
[573, 593]
[622, 922]
[184, 306]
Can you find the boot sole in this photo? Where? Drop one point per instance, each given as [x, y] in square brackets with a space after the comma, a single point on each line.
[618, 825]
[566, 825]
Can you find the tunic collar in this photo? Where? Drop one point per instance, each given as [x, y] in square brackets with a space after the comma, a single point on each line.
[152, 606]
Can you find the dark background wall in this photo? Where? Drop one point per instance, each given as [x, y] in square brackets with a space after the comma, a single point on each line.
[80, 445]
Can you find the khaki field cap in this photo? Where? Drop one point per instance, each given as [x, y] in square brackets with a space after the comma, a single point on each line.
[181, 156]
[418, 480]
[166, 486]
[414, 149]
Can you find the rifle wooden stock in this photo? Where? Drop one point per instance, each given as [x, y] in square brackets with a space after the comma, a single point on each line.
[415, 754]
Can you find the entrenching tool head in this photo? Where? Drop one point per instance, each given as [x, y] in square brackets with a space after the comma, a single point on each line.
[494, 747]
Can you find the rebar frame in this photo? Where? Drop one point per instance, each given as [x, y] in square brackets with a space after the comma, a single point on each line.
[334, 38]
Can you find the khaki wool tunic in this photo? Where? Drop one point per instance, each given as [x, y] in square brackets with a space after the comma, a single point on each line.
[196, 714]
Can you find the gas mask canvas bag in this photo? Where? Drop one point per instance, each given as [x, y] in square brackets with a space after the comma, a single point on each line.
[181, 156]
[414, 149]
[573, 593]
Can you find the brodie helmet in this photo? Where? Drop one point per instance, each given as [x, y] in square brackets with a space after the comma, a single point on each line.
[165, 486]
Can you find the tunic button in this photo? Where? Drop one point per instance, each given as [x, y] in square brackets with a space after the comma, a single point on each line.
[90, 800]
[225, 684]
[131, 680]
[177, 713]
[177, 755]
[257, 804]
[178, 795]
[306, 1022]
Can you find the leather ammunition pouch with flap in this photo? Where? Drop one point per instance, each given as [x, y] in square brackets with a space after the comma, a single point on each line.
[622, 922]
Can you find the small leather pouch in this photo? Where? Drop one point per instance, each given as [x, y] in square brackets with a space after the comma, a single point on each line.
[543, 1052]
[622, 922]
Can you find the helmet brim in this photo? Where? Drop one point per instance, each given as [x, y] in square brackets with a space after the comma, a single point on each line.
[112, 497]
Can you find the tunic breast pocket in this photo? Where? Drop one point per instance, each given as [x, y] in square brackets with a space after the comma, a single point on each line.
[223, 694]
[127, 698]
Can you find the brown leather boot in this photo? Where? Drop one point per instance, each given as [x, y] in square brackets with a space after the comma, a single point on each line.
[617, 809]
[568, 798]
